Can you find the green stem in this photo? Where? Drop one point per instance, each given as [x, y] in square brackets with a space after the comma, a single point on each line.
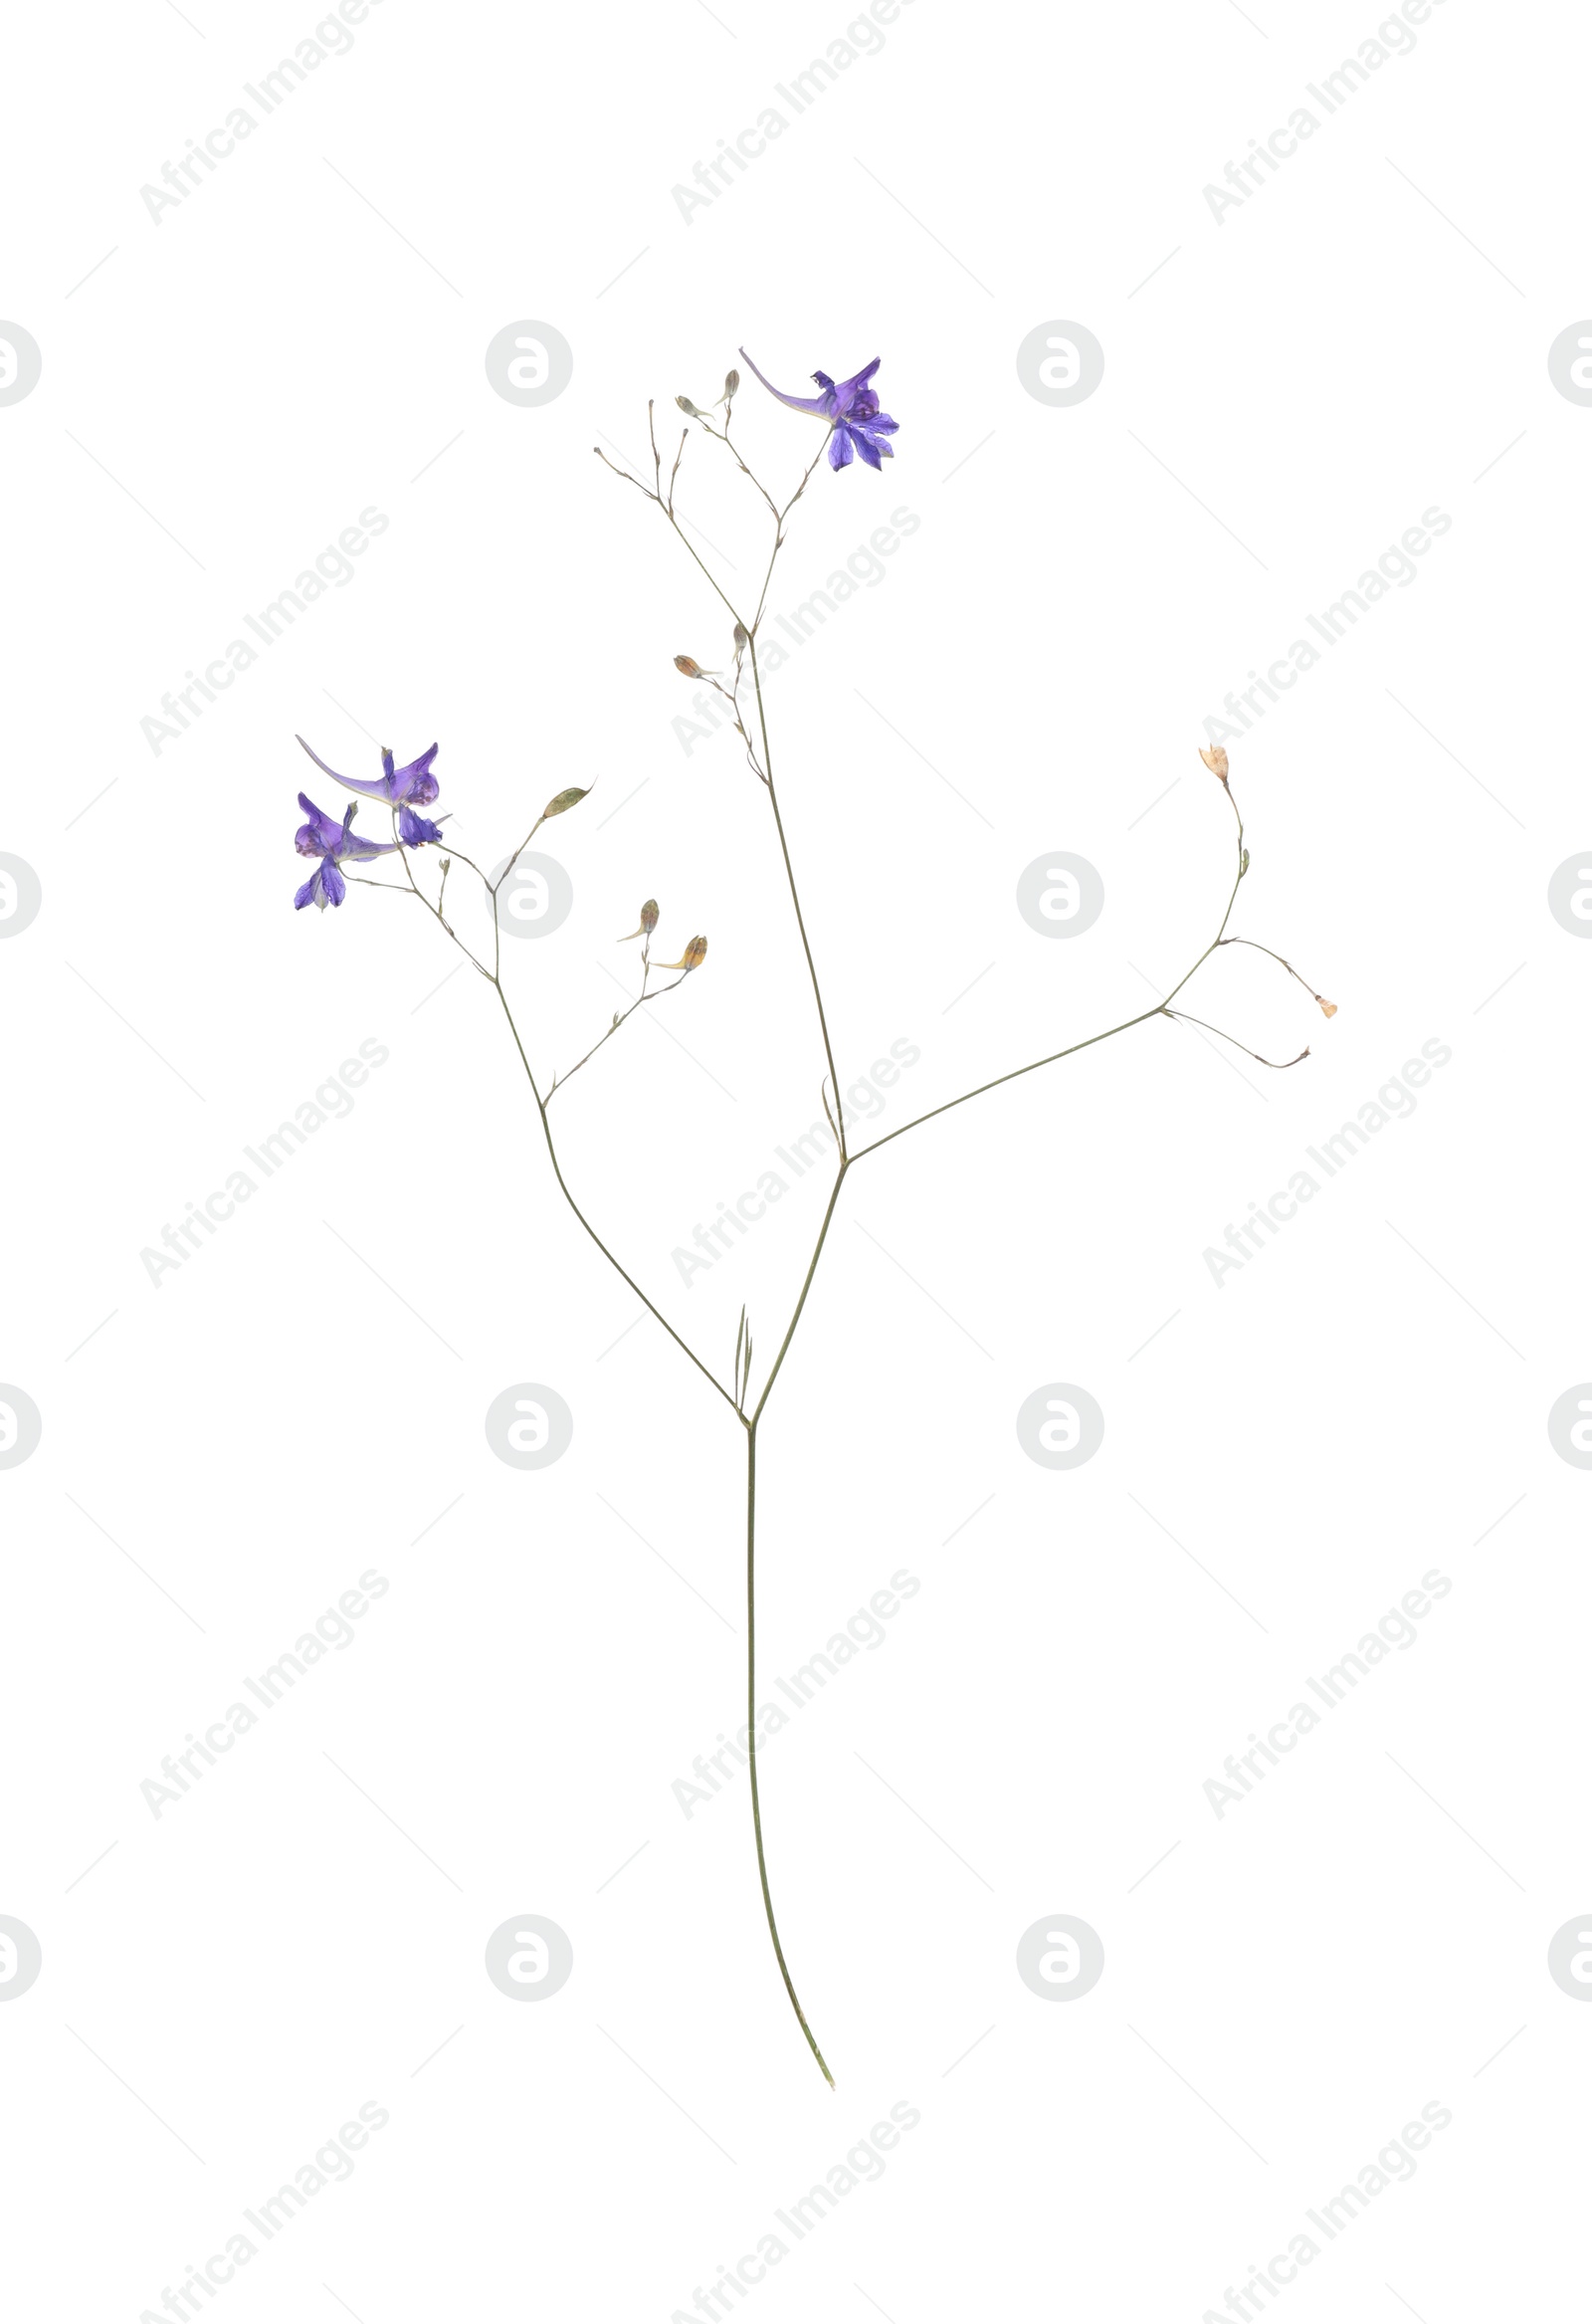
[751, 1735]
[790, 881]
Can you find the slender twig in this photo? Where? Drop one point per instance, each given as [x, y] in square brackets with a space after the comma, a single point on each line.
[1277, 958]
[623, 1018]
[1278, 1065]
[495, 979]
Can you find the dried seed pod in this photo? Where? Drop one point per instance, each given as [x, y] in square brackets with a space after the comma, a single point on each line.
[562, 803]
[1216, 760]
[649, 921]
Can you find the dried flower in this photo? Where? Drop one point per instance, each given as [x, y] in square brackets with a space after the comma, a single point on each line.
[687, 407]
[857, 425]
[692, 956]
[649, 921]
[1216, 760]
[1329, 1008]
[741, 639]
[335, 843]
[687, 667]
[413, 785]
[731, 382]
[562, 803]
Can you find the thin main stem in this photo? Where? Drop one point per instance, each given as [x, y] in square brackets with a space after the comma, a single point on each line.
[751, 1739]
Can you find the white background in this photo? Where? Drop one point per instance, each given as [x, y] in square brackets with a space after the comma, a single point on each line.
[302, 338]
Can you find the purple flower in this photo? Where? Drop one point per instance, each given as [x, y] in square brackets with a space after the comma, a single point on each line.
[852, 409]
[335, 843]
[414, 784]
[415, 831]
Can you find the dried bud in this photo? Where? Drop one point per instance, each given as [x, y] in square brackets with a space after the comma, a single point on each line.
[1243, 863]
[687, 667]
[649, 921]
[731, 382]
[562, 803]
[741, 640]
[692, 956]
[1329, 1008]
[1216, 760]
[687, 407]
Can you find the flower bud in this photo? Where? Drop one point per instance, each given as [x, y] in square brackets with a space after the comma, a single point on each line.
[649, 921]
[1216, 760]
[687, 407]
[687, 667]
[731, 382]
[692, 956]
[741, 640]
[562, 803]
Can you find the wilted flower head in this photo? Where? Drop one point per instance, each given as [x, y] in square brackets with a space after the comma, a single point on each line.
[1216, 760]
[852, 409]
[414, 784]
